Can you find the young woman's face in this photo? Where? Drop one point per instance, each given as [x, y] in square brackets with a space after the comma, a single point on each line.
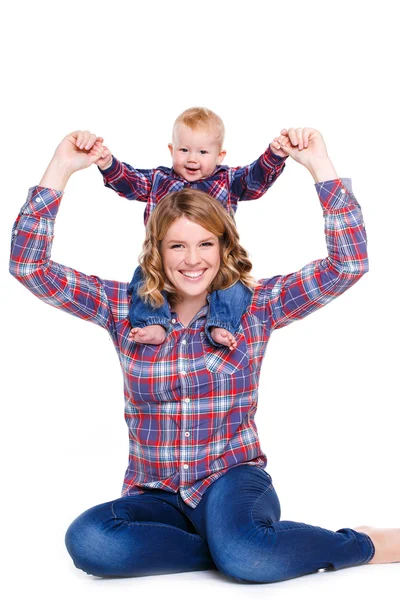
[191, 258]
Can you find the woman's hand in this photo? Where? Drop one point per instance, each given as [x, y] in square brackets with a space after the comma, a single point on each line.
[78, 150]
[307, 147]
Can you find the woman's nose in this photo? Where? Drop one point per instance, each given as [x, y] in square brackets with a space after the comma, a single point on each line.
[192, 257]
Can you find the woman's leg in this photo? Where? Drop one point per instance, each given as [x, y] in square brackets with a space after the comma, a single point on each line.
[248, 542]
[386, 542]
[135, 536]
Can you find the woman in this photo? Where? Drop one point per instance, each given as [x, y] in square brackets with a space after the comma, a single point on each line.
[195, 493]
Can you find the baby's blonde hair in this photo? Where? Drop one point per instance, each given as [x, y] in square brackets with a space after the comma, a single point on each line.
[201, 118]
[207, 212]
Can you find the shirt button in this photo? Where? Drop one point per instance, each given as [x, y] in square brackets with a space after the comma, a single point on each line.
[173, 320]
[184, 342]
[187, 400]
[343, 191]
[185, 466]
[38, 199]
[187, 434]
[183, 372]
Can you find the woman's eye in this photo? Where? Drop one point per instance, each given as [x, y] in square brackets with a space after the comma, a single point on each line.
[207, 244]
[176, 246]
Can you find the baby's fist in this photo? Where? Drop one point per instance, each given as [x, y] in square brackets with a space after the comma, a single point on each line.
[105, 160]
[277, 145]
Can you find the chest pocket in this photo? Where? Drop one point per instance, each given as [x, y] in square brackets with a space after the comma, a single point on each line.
[223, 360]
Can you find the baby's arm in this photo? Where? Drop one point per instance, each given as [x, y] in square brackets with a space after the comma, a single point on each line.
[253, 181]
[133, 184]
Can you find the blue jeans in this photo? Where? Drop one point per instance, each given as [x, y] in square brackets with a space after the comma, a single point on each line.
[226, 308]
[234, 529]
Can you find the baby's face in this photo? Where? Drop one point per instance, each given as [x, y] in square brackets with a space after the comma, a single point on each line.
[195, 153]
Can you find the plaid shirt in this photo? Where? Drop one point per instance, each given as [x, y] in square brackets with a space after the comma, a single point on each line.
[227, 185]
[190, 407]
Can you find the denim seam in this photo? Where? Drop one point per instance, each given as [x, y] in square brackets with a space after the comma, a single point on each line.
[194, 536]
[162, 321]
[370, 543]
[223, 324]
[134, 523]
[258, 500]
[182, 508]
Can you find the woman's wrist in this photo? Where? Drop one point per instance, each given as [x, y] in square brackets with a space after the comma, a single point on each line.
[56, 175]
[322, 170]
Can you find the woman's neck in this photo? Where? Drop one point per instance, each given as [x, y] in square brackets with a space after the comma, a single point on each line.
[187, 308]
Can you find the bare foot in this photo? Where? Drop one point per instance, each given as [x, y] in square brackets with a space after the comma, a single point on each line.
[386, 542]
[152, 334]
[222, 336]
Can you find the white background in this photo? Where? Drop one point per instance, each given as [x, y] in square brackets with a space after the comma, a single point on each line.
[328, 405]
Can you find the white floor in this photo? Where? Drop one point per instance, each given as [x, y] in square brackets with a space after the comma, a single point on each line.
[59, 579]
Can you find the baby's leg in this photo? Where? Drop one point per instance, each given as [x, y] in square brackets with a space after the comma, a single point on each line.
[226, 310]
[223, 337]
[150, 334]
[149, 325]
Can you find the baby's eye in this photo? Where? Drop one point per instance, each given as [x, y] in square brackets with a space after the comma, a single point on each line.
[203, 152]
[183, 149]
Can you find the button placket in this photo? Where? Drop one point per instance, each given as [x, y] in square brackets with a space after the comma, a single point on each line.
[183, 367]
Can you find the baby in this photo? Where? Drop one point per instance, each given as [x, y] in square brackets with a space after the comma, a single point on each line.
[197, 156]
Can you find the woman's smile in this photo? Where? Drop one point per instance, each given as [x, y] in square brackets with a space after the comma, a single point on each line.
[191, 258]
[194, 275]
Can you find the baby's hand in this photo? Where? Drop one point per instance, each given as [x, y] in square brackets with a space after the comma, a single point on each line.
[278, 143]
[105, 159]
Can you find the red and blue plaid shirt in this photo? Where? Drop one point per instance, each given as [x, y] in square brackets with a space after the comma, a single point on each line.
[190, 407]
[228, 185]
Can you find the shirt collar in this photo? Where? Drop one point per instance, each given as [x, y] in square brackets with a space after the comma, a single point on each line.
[202, 312]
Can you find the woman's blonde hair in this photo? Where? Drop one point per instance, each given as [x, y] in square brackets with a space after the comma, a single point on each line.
[207, 212]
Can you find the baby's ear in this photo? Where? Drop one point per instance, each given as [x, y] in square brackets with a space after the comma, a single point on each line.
[170, 148]
[221, 157]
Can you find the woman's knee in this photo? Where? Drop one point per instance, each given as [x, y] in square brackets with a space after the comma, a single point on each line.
[88, 541]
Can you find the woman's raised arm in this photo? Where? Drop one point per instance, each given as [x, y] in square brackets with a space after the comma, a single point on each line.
[282, 299]
[84, 296]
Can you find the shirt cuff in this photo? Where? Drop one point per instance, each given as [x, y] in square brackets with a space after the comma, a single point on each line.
[335, 194]
[42, 201]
